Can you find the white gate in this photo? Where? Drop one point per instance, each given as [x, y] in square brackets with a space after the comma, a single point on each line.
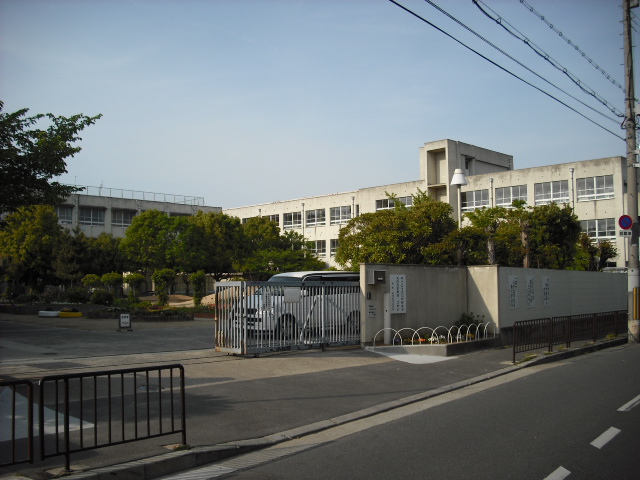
[256, 317]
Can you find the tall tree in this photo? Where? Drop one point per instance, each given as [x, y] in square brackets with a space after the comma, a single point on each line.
[147, 241]
[30, 157]
[402, 235]
[223, 241]
[29, 241]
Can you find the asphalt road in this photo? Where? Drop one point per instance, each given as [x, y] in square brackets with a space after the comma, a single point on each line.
[576, 419]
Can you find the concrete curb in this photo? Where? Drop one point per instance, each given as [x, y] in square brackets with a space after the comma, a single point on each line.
[179, 461]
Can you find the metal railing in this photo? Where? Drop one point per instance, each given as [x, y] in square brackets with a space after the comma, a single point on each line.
[256, 317]
[16, 428]
[547, 332]
[439, 335]
[138, 195]
[84, 411]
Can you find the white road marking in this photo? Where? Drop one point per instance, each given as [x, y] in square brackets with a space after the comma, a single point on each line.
[603, 439]
[558, 474]
[629, 405]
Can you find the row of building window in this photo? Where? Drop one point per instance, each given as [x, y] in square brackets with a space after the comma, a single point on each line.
[315, 218]
[96, 216]
[591, 188]
[320, 247]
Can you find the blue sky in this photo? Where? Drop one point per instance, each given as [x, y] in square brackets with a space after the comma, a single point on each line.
[253, 101]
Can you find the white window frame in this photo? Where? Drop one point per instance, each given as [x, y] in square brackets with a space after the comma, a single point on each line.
[320, 248]
[595, 188]
[474, 199]
[388, 203]
[118, 218]
[340, 215]
[505, 196]
[556, 191]
[316, 218]
[600, 229]
[65, 214]
[91, 216]
[333, 246]
[292, 220]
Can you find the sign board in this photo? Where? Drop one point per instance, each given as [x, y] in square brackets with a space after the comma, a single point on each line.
[398, 293]
[625, 233]
[625, 222]
[125, 321]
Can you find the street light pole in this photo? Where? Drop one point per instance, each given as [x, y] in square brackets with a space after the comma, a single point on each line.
[633, 280]
[459, 180]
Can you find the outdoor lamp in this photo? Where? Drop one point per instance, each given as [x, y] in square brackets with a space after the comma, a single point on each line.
[459, 180]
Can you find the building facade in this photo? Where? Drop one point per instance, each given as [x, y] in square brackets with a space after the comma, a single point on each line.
[98, 210]
[595, 189]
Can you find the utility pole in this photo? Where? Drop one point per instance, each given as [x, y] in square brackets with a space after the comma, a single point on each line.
[632, 178]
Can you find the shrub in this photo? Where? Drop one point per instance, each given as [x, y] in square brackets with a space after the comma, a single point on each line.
[101, 297]
[113, 281]
[76, 295]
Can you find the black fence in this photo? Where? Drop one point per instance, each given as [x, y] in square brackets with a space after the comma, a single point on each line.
[16, 424]
[547, 332]
[89, 410]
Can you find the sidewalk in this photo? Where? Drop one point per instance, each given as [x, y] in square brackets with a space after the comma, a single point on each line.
[237, 404]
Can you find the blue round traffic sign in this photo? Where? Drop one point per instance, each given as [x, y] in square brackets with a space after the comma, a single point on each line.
[625, 222]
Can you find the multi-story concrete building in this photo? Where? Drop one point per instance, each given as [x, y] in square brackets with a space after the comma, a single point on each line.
[594, 188]
[99, 210]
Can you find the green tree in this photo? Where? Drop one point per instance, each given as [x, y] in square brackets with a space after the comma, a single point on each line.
[163, 280]
[147, 241]
[135, 280]
[222, 242]
[29, 242]
[105, 255]
[30, 157]
[401, 236]
[113, 282]
[72, 256]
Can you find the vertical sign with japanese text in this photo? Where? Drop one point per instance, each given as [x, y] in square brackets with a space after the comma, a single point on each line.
[513, 291]
[546, 291]
[531, 291]
[398, 293]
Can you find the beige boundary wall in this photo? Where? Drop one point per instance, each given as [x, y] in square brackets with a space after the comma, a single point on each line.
[430, 296]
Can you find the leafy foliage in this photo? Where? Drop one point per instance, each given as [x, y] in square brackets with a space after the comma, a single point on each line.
[30, 157]
[163, 280]
[401, 236]
[29, 241]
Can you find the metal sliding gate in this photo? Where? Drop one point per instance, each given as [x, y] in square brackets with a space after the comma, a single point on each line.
[255, 317]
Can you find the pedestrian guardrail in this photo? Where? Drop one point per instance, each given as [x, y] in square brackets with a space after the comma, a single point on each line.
[547, 332]
[16, 427]
[90, 410]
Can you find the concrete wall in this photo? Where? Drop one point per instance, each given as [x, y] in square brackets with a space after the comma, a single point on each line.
[432, 296]
[527, 294]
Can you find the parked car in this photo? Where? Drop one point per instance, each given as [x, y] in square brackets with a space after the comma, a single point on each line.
[295, 302]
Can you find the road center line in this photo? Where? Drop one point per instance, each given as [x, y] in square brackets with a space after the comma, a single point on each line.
[629, 405]
[558, 474]
[603, 439]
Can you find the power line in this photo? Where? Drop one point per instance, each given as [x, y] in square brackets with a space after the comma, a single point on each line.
[517, 61]
[502, 68]
[583, 86]
[576, 47]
